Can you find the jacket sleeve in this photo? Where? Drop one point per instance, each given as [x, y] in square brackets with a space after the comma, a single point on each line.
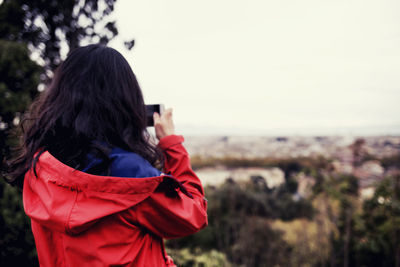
[179, 214]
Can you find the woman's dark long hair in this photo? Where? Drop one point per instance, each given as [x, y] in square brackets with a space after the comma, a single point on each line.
[93, 103]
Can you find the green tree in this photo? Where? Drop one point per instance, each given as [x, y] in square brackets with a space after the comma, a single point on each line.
[339, 194]
[50, 26]
[18, 85]
[240, 215]
[19, 79]
[378, 232]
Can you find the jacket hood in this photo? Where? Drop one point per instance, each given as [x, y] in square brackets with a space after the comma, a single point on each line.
[70, 201]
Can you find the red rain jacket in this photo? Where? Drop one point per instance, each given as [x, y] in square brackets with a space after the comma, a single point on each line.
[79, 219]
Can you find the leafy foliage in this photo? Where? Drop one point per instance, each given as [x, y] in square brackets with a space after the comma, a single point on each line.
[49, 27]
[17, 247]
[19, 79]
[239, 222]
[378, 231]
[258, 226]
[187, 258]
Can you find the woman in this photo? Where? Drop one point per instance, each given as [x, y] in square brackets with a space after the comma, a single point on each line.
[88, 169]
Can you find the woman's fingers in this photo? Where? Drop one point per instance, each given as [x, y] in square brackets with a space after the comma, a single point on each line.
[168, 113]
[156, 117]
[164, 124]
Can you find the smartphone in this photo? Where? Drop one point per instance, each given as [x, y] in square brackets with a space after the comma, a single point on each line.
[150, 109]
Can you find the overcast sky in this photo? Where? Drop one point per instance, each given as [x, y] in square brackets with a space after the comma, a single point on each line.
[268, 67]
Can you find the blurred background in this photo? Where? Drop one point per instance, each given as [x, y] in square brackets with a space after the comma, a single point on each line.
[289, 109]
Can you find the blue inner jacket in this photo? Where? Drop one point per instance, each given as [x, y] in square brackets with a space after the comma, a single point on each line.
[125, 164]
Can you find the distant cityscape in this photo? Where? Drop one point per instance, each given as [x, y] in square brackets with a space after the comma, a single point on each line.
[336, 148]
[288, 146]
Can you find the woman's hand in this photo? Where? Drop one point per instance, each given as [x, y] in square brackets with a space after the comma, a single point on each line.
[163, 124]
